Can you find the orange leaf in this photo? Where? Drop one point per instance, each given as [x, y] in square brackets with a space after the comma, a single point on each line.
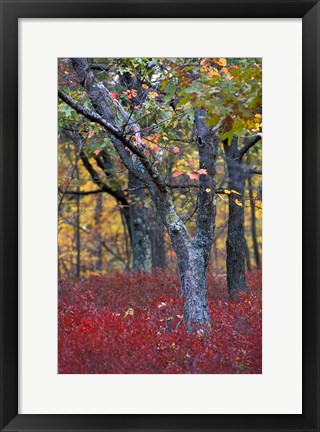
[96, 152]
[202, 171]
[152, 95]
[113, 95]
[193, 176]
[221, 61]
[177, 173]
[130, 93]
[176, 149]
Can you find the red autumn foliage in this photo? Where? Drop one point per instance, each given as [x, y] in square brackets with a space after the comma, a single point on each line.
[132, 323]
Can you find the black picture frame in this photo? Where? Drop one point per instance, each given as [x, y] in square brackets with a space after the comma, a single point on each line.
[11, 11]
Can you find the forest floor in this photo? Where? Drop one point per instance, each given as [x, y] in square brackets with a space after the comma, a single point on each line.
[132, 324]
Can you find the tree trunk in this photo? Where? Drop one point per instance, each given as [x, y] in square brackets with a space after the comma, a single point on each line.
[194, 288]
[235, 240]
[97, 217]
[140, 240]
[253, 226]
[77, 227]
[156, 231]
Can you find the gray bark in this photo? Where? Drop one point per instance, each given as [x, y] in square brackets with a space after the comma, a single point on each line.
[140, 239]
[156, 231]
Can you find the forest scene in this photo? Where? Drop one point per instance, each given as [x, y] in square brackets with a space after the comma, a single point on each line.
[160, 215]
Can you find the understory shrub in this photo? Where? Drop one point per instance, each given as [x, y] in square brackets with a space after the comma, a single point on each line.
[132, 323]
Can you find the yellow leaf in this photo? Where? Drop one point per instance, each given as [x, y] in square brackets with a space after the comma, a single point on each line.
[145, 86]
[213, 72]
[239, 203]
[208, 190]
[152, 95]
[258, 115]
[226, 191]
[221, 61]
[235, 192]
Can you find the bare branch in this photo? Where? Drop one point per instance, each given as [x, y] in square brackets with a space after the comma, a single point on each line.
[255, 171]
[249, 142]
[103, 243]
[70, 192]
[117, 194]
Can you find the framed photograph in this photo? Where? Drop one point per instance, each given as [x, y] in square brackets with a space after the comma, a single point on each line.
[159, 215]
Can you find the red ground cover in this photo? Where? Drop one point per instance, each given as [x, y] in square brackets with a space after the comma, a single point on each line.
[132, 323]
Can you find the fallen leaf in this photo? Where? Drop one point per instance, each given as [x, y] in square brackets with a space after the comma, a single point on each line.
[130, 311]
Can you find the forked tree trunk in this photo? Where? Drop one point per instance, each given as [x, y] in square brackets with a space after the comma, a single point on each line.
[192, 270]
[193, 256]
